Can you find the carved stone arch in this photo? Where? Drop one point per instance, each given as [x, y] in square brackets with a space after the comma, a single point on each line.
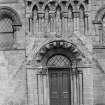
[70, 6]
[35, 7]
[99, 15]
[58, 47]
[60, 4]
[70, 3]
[81, 3]
[36, 3]
[40, 5]
[59, 7]
[82, 8]
[70, 11]
[73, 5]
[47, 7]
[10, 13]
[49, 4]
[42, 70]
[63, 4]
[34, 11]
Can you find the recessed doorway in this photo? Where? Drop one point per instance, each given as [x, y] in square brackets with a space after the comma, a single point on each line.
[59, 80]
[59, 83]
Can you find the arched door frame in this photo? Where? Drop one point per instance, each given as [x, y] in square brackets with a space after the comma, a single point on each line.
[69, 50]
[40, 71]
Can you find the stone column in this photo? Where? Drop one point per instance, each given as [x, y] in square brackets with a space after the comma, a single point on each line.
[35, 22]
[46, 23]
[98, 31]
[74, 70]
[88, 89]
[46, 87]
[38, 86]
[75, 88]
[72, 88]
[70, 22]
[27, 25]
[91, 2]
[64, 22]
[52, 21]
[16, 29]
[100, 28]
[80, 80]
[86, 24]
[82, 21]
[33, 95]
[40, 21]
[58, 23]
[31, 25]
[76, 21]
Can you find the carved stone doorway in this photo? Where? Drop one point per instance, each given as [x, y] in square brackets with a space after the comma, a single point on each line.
[59, 80]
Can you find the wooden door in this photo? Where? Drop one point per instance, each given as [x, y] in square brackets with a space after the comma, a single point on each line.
[59, 81]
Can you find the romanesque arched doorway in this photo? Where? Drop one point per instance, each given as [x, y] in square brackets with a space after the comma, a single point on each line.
[59, 60]
[59, 80]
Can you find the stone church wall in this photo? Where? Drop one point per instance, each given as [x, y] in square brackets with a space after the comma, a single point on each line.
[12, 60]
[13, 77]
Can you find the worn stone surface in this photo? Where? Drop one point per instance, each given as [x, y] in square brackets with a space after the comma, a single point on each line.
[19, 70]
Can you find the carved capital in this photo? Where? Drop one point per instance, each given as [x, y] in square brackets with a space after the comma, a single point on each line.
[52, 14]
[40, 15]
[65, 14]
[76, 14]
